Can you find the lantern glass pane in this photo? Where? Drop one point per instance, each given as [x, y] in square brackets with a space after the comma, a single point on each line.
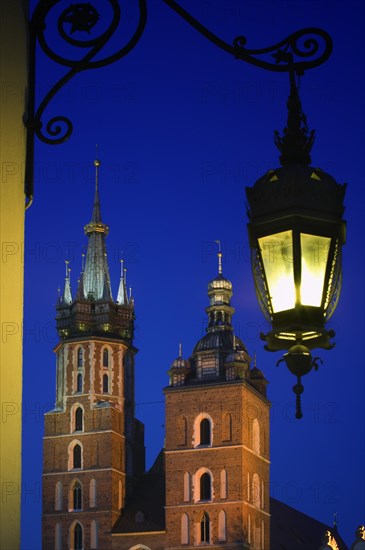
[315, 251]
[277, 258]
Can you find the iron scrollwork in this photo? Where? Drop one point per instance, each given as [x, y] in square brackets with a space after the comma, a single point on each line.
[77, 18]
[298, 52]
[302, 50]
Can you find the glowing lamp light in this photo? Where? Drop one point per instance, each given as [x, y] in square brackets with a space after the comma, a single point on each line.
[296, 232]
[296, 254]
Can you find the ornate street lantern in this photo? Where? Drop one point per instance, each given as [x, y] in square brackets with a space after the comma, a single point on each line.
[296, 232]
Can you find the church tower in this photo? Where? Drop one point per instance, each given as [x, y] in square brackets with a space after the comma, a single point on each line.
[217, 439]
[93, 445]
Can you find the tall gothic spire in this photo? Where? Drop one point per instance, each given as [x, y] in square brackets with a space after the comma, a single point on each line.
[96, 279]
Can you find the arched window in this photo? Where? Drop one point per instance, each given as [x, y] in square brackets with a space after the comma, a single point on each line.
[105, 358]
[79, 419]
[182, 430]
[93, 534]
[205, 487]
[186, 487]
[77, 537]
[92, 493]
[184, 529]
[80, 358]
[256, 500]
[79, 383]
[205, 438]
[223, 483]
[203, 430]
[222, 526]
[256, 436]
[58, 536]
[58, 496]
[105, 382]
[77, 456]
[205, 528]
[77, 496]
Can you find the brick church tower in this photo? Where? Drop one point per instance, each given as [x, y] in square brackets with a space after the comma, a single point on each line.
[93, 445]
[217, 439]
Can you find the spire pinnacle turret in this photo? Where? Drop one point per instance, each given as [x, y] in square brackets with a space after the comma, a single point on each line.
[67, 296]
[296, 142]
[122, 297]
[96, 280]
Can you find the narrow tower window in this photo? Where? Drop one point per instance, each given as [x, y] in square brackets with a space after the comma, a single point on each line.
[92, 494]
[105, 358]
[256, 497]
[205, 487]
[80, 358]
[77, 537]
[78, 419]
[58, 536]
[205, 528]
[224, 483]
[186, 487]
[94, 535]
[222, 526]
[77, 456]
[58, 496]
[105, 383]
[77, 496]
[205, 438]
[256, 436]
[79, 383]
[184, 529]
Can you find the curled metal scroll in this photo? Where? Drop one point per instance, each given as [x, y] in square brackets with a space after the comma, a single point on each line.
[77, 18]
[82, 18]
[302, 50]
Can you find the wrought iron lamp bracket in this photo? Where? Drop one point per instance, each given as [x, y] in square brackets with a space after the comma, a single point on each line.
[81, 17]
[300, 51]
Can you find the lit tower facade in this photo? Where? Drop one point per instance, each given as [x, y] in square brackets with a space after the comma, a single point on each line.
[93, 445]
[217, 439]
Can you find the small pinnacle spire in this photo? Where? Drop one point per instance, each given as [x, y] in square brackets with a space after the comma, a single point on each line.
[296, 141]
[67, 296]
[180, 350]
[254, 360]
[234, 341]
[219, 257]
[82, 262]
[122, 297]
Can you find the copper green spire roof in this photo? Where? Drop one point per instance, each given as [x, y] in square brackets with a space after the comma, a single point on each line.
[96, 279]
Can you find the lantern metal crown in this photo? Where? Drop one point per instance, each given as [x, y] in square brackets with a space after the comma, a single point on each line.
[296, 232]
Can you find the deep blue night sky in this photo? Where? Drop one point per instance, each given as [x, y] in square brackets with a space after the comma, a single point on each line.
[182, 128]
